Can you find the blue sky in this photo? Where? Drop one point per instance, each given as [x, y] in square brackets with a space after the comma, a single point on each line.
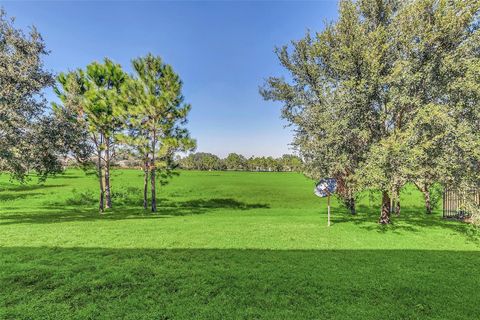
[222, 50]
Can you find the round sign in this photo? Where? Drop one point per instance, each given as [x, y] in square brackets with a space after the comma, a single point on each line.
[325, 187]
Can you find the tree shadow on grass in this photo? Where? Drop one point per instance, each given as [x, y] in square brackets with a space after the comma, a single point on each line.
[57, 212]
[21, 192]
[224, 203]
[28, 187]
[411, 220]
[39, 283]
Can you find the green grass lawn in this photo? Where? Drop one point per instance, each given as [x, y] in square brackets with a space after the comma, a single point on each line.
[227, 245]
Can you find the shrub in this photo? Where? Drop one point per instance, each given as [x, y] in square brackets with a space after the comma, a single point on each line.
[80, 198]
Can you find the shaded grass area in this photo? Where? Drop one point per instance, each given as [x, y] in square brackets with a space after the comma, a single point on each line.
[70, 212]
[237, 284]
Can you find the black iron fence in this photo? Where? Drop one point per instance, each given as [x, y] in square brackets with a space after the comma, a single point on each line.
[455, 202]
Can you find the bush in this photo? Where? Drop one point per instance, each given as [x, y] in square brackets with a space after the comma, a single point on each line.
[123, 196]
[128, 195]
[474, 210]
[81, 198]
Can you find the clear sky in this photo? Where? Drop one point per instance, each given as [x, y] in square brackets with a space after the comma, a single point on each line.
[222, 50]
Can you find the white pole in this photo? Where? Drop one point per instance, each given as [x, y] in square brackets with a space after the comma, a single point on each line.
[328, 203]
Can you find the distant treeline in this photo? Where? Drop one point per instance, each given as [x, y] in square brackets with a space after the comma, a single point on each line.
[234, 161]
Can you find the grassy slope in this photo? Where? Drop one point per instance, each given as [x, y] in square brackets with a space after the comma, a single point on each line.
[226, 245]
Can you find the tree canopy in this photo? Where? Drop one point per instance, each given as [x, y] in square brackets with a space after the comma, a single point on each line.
[91, 99]
[155, 118]
[377, 100]
[30, 139]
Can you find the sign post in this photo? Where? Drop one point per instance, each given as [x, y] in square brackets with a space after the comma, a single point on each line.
[325, 188]
[328, 204]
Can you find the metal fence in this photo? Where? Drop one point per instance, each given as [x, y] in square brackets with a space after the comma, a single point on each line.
[454, 201]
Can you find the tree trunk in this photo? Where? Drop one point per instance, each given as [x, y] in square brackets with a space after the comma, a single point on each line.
[328, 213]
[153, 170]
[100, 179]
[428, 203]
[396, 201]
[152, 179]
[397, 207]
[145, 185]
[108, 195]
[425, 190]
[385, 213]
[351, 206]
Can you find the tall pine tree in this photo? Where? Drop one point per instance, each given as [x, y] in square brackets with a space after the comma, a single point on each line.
[157, 116]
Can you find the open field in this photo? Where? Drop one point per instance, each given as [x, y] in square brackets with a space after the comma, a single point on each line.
[227, 245]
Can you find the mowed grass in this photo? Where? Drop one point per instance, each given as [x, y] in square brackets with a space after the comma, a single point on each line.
[227, 245]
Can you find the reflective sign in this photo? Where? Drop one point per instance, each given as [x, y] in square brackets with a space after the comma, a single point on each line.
[325, 187]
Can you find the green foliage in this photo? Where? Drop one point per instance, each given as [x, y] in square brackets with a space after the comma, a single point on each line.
[377, 98]
[156, 114]
[474, 210]
[201, 161]
[263, 164]
[336, 97]
[290, 162]
[156, 94]
[237, 162]
[143, 115]
[102, 100]
[127, 196]
[91, 102]
[81, 198]
[469, 204]
[91, 99]
[30, 140]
